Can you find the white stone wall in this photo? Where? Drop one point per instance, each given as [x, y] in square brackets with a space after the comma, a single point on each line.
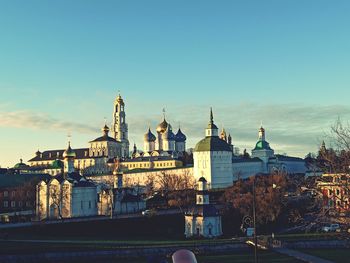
[215, 167]
[130, 207]
[84, 201]
[295, 167]
[141, 178]
[243, 170]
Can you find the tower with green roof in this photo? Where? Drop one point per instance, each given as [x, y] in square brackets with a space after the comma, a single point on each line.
[262, 148]
[213, 158]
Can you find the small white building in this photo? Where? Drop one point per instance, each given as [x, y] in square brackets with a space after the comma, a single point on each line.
[203, 220]
[66, 195]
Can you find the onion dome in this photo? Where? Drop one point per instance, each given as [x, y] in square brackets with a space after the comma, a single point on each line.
[105, 130]
[20, 165]
[69, 153]
[202, 179]
[149, 136]
[180, 137]
[168, 134]
[162, 126]
[262, 145]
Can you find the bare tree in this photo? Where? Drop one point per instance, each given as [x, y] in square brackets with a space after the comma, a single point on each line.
[340, 134]
[60, 199]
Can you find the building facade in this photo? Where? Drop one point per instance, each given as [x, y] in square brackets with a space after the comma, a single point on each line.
[212, 158]
[335, 189]
[165, 142]
[203, 220]
[66, 195]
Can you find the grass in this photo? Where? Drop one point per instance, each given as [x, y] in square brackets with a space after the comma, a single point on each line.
[335, 255]
[242, 257]
[39, 246]
[263, 256]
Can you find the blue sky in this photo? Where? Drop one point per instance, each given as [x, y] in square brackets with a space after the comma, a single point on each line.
[285, 63]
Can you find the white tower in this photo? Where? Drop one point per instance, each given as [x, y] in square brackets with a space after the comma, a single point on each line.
[212, 158]
[69, 156]
[203, 219]
[262, 149]
[120, 127]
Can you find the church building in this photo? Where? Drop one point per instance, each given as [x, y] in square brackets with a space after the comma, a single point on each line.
[94, 159]
[67, 194]
[165, 142]
[203, 220]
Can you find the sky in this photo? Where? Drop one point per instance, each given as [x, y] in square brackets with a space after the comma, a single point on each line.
[283, 63]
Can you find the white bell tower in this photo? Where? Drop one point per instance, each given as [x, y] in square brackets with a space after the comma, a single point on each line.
[120, 127]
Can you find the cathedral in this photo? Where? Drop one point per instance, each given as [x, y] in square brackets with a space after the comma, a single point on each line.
[93, 159]
[165, 142]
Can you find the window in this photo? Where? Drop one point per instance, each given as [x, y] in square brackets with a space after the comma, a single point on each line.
[13, 203]
[89, 204]
[81, 204]
[27, 203]
[28, 194]
[6, 204]
[337, 191]
[13, 194]
[6, 194]
[20, 204]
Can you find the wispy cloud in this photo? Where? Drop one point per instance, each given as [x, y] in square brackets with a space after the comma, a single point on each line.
[292, 128]
[38, 120]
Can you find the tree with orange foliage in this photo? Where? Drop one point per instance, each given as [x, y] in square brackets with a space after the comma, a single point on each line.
[269, 193]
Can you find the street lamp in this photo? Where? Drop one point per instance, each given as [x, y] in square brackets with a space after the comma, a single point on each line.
[254, 224]
[114, 164]
[274, 186]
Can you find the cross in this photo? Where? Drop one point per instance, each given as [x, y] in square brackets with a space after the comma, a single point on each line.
[164, 113]
[105, 120]
[69, 136]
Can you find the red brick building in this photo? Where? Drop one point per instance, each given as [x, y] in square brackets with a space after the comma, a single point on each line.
[18, 192]
[336, 191]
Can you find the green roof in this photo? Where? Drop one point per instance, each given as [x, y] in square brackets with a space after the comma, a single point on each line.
[20, 165]
[212, 143]
[262, 145]
[57, 164]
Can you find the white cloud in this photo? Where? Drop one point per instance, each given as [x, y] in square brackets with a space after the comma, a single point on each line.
[37, 120]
